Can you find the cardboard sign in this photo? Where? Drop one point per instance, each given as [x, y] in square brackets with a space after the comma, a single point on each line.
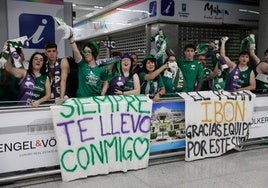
[102, 134]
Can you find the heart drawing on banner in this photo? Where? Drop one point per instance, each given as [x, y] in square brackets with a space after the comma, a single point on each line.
[140, 143]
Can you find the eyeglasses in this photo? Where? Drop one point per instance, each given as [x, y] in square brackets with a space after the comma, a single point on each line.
[86, 52]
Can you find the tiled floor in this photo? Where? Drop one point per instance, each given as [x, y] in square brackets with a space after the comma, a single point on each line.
[246, 169]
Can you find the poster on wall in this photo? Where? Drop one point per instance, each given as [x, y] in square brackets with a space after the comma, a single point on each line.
[167, 126]
[26, 138]
[216, 122]
[35, 20]
[102, 134]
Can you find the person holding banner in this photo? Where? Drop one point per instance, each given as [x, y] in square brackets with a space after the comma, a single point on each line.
[34, 83]
[92, 79]
[240, 77]
[126, 81]
[151, 79]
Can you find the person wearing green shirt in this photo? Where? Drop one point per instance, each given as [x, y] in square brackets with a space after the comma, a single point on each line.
[92, 79]
[172, 77]
[192, 70]
[150, 78]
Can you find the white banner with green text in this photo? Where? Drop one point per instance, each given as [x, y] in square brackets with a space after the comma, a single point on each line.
[102, 134]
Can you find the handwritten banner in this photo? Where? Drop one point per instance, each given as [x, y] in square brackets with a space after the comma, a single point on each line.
[216, 122]
[102, 134]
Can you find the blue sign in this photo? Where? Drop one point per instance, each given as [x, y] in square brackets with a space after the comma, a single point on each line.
[167, 7]
[183, 7]
[39, 29]
[153, 8]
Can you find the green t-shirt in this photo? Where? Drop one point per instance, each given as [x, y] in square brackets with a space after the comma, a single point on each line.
[192, 72]
[173, 83]
[90, 79]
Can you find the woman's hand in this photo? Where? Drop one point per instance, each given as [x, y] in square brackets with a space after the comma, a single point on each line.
[156, 97]
[35, 103]
[118, 92]
[59, 101]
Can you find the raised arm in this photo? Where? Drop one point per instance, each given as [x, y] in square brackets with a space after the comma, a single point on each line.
[214, 73]
[230, 63]
[18, 73]
[77, 55]
[154, 74]
[254, 57]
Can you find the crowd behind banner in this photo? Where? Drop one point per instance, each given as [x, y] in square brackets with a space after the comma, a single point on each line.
[47, 78]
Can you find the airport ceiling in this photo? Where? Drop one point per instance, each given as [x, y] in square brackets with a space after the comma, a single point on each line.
[87, 7]
[81, 8]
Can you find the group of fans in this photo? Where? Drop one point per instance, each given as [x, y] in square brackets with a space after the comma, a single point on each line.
[48, 77]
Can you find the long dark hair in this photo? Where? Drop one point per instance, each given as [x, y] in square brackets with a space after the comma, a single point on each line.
[43, 68]
[155, 68]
